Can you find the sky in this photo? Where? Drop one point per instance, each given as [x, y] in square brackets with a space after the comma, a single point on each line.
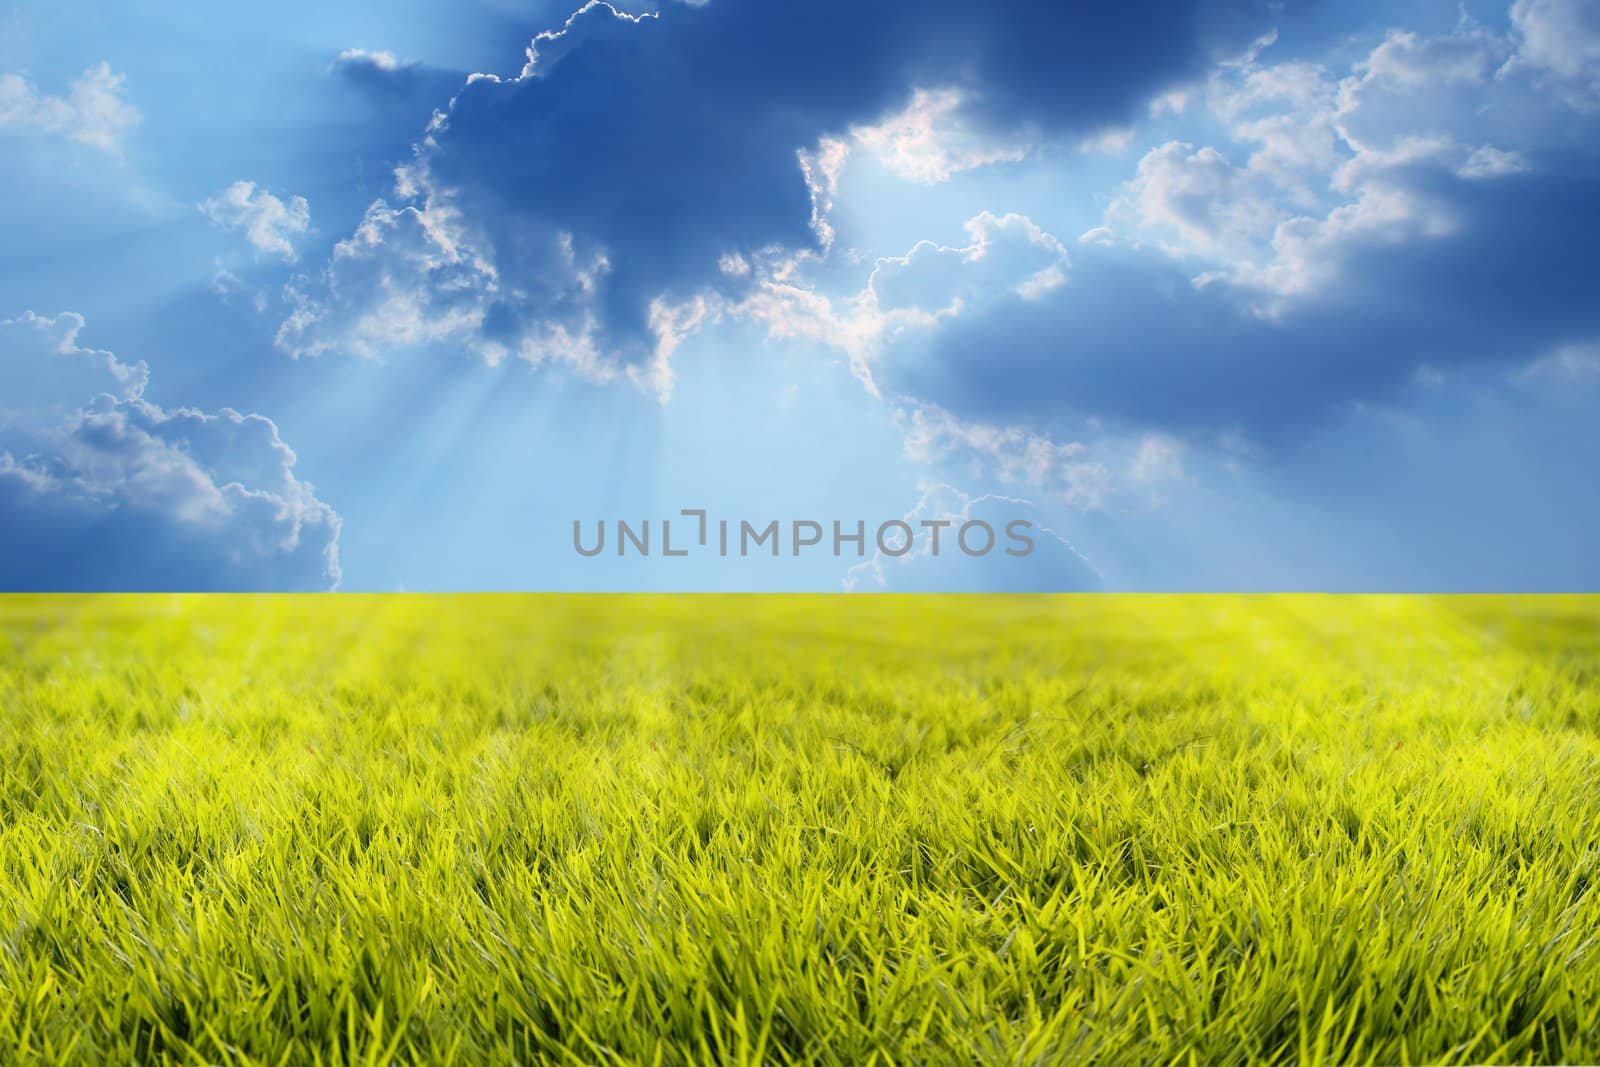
[416, 295]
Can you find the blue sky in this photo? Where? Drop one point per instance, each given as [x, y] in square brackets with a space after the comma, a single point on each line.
[1214, 295]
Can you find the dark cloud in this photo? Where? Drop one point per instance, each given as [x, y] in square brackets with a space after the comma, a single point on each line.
[634, 154]
[1132, 339]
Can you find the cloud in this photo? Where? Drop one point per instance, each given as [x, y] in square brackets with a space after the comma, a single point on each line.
[46, 374]
[934, 137]
[906, 297]
[93, 111]
[270, 225]
[1009, 454]
[1313, 160]
[1427, 208]
[102, 489]
[1134, 341]
[360, 64]
[1111, 141]
[1561, 39]
[1100, 472]
[1565, 368]
[1488, 161]
[1203, 203]
[409, 90]
[570, 213]
[1159, 459]
[935, 561]
[1004, 254]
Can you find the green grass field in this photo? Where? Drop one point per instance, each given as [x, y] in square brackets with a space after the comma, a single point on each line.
[799, 829]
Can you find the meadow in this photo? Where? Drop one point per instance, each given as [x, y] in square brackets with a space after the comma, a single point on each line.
[852, 830]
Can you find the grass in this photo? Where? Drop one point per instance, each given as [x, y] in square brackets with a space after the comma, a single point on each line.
[786, 829]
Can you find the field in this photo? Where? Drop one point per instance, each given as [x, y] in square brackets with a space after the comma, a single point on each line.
[789, 829]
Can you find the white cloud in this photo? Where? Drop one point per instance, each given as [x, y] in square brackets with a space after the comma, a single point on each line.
[1284, 114]
[1491, 162]
[418, 274]
[822, 167]
[1561, 38]
[932, 139]
[1015, 456]
[408, 275]
[93, 111]
[182, 497]
[1416, 89]
[1314, 163]
[1198, 203]
[1159, 459]
[270, 225]
[1408, 61]
[383, 61]
[45, 374]
[1172, 102]
[1003, 253]
[904, 295]
[1112, 141]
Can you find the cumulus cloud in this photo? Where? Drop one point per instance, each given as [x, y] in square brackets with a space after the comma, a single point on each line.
[46, 374]
[1202, 203]
[1004, 254]
[1426, 206]
[270, 225]
[93, 111]
[933, 138]
[1133, 341]
[907, 296]
[1561, 39]
[1315, 161]
[1010, 454]
[582, 210]
[102, 489]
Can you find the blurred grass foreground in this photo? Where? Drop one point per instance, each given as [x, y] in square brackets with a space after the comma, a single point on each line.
[843, 830]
